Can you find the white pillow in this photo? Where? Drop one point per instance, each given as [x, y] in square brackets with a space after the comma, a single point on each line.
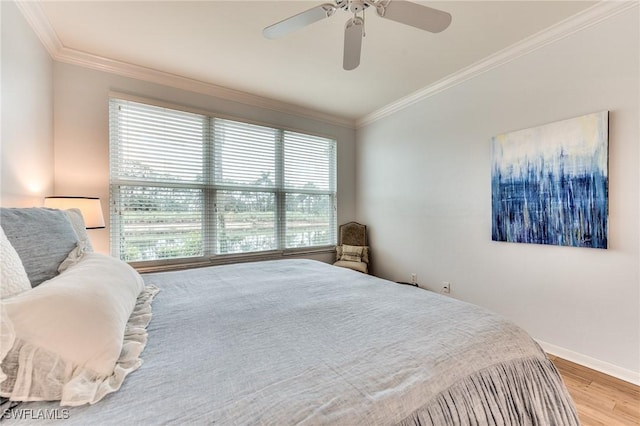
[13, 279]
[351, 253]
[84, 243]
[70, 331]
[77, 221]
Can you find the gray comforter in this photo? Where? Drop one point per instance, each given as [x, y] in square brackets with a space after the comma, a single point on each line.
[303, 342]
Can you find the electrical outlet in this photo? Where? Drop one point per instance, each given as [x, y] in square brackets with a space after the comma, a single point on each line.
[446, 287]
[414, 278]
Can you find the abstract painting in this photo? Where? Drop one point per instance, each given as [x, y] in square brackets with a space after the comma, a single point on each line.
[549, 183]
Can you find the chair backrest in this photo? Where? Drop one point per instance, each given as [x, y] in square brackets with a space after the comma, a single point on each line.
[353, 234]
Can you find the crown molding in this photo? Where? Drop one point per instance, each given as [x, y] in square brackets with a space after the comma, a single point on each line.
[35, 16]
[138, 72]
[37, 19]
[578, 22]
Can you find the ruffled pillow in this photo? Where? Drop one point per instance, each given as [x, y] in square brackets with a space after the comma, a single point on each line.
[76, 336]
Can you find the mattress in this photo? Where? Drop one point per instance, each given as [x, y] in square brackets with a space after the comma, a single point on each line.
[303, 342]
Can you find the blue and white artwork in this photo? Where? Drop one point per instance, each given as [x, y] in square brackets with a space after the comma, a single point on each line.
[549, 183]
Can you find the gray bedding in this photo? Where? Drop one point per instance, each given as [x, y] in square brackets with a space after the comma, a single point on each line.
[303, 342]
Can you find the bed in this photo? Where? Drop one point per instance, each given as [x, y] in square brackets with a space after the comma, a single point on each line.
[303, 342]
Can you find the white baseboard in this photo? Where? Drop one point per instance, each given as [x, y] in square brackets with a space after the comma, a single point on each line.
[595, 364]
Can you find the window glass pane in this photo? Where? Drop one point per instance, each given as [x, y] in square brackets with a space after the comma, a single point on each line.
[309, 162]
[308, 220]
[156, 144]
[190, 185]
[245, 154]
[246, 221]
[158, 223]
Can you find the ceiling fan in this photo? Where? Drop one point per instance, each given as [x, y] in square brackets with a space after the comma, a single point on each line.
[404, 12]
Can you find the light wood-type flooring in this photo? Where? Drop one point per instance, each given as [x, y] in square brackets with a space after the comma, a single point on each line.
[601, 400]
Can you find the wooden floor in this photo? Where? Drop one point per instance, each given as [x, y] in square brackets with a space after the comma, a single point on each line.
[600, 399]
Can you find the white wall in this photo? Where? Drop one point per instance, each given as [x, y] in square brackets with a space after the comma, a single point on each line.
[424, 190]
[26, 144]
[82, 134]
[423, 176]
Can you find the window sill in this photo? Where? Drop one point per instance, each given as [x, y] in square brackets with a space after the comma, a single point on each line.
[201, 262]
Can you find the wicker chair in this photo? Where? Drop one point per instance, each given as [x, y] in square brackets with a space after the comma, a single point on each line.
[352, 251]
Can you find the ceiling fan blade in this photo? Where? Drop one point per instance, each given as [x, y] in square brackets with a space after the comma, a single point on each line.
[353, 32]
[298, 21]
[415, 15]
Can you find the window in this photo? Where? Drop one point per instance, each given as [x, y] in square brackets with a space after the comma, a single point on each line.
[186, 185]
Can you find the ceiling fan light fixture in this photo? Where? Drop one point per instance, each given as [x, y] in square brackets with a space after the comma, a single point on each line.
[357, 6]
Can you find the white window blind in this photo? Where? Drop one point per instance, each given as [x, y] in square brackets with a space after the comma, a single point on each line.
[187, 185]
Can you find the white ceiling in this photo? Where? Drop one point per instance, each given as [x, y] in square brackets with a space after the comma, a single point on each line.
[221, 43]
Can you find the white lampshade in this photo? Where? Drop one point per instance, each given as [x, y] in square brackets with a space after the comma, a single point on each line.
[89, 206]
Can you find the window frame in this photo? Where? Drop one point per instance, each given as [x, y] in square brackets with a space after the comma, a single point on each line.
[210, 188]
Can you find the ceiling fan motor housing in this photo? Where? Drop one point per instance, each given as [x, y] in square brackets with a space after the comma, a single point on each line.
[353, 6]
[358, 6]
